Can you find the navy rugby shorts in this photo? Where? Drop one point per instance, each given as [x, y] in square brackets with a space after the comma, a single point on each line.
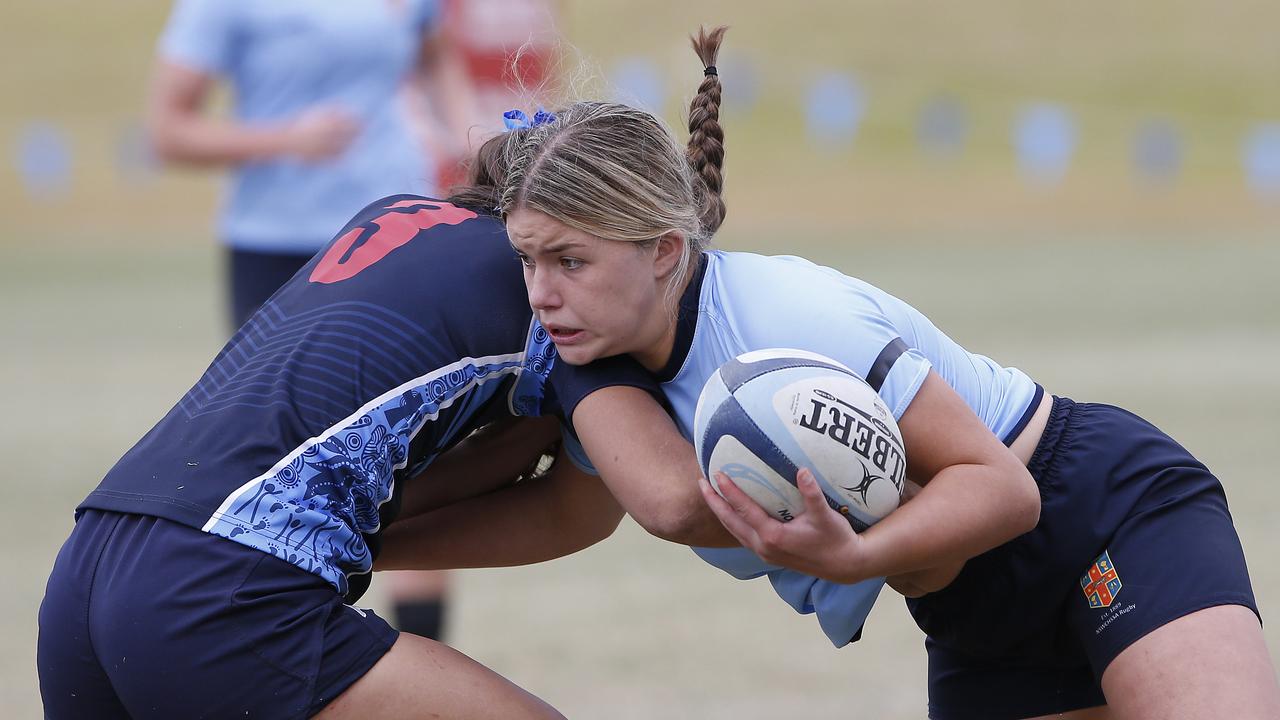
[1134, 533]
[255, 276]
[147, 618]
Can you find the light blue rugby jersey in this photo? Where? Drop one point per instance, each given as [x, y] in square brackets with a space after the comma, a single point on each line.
[284, 57]
[739, 302]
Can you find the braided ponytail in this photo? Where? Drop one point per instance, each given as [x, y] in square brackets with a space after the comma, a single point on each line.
[705, 151]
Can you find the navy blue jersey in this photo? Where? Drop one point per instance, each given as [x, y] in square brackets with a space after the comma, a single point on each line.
[409, 330]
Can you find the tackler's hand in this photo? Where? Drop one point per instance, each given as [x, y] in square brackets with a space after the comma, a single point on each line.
[819, 542]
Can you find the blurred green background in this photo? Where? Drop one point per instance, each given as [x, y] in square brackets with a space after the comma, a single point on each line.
[1157, 294]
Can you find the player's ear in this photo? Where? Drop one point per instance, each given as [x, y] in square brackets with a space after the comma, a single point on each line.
[668, 253]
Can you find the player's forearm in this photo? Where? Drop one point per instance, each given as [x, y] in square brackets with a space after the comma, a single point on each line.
[190, 139]
[538, 520]
[488, 459]
[964, 511]
[922, 582]
[698, 528]
[660, 489]
[674, 517]
[650, 468]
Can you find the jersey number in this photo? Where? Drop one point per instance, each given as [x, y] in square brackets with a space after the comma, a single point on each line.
[373, 239]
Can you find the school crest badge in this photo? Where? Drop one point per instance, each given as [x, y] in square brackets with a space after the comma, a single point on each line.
[1101, 583]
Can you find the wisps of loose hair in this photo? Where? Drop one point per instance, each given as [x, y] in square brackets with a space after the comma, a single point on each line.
[618, 173]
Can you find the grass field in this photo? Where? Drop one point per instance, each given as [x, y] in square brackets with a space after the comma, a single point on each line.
[1162, 299]
[1183, 330]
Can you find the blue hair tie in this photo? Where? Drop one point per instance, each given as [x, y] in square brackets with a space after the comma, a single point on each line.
[517, 120]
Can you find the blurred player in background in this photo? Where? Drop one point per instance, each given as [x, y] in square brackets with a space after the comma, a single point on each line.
[318, 129]
[1063, 558]
[508, 50]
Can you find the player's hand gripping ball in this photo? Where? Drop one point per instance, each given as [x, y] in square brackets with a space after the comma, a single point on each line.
[765, 414]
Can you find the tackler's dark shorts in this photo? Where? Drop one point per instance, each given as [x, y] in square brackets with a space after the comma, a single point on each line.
[1134, 533]
[147, 618]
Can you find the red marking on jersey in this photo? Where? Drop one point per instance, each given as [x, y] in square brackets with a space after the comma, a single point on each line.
[345, 259]
[420, 203]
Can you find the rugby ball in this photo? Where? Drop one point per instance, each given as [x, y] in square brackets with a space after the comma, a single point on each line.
[765, 414]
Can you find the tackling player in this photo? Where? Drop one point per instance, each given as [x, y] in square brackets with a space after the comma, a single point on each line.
[212, 572]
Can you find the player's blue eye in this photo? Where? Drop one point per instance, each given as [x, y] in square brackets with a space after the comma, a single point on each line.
[524, 260]
[570, 263]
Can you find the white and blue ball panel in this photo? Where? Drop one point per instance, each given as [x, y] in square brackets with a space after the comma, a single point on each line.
[735, 444]
[750, 365]
[738, 446]
[761, 447]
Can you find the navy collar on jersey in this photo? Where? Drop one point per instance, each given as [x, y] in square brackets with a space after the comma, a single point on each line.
[686, 324]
